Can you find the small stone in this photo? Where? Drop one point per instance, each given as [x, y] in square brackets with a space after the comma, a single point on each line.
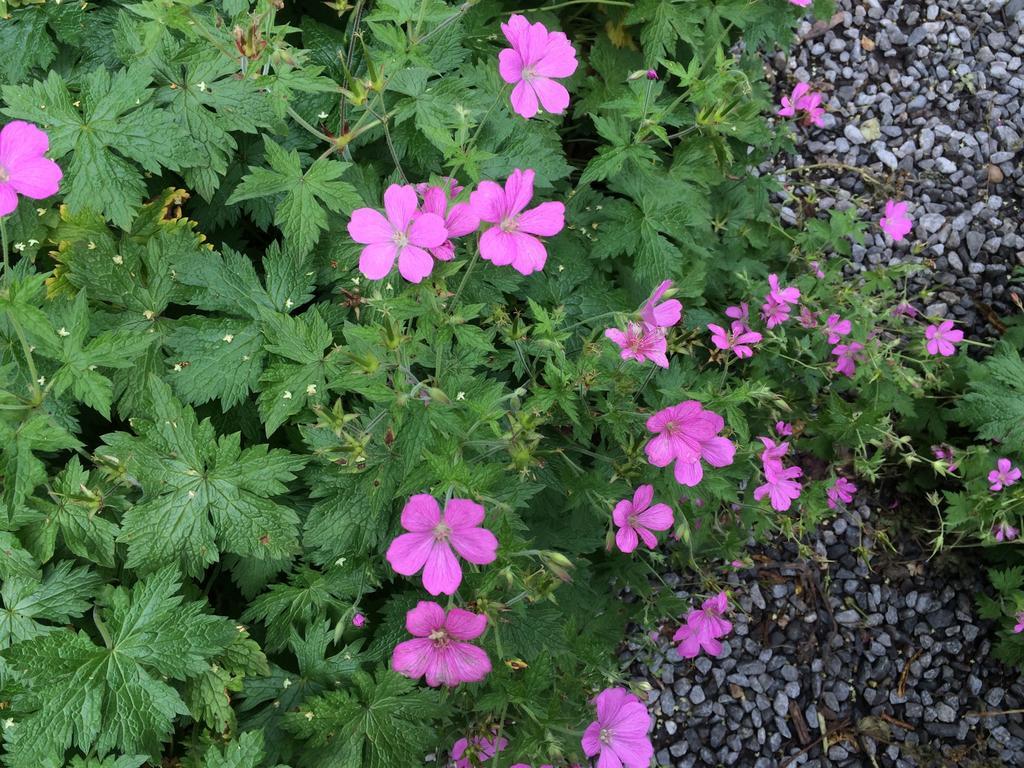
[995, 174]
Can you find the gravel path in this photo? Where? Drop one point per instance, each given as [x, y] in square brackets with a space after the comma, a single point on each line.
[929, 98]
[890, 659]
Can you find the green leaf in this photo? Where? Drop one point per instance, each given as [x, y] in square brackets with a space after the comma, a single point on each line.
[62, 594]
[994, 404]
[24, 44]
[110, 129]
[201, 494]
[245, 752]
[301, 213]
[113, 696]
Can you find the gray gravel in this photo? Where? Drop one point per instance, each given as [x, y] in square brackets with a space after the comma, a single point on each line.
[927, 97]
[892, 659]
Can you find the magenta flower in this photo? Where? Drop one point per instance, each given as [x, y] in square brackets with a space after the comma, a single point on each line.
[358, 620]
[404, 234]
[896, 223]
[480, 747]
[1003, 476]
[619, 735]
[512, 239]
[804, 100]
[703, 628]
[903, 309]
[738, 338]
[686, 434]
[640, 343]
[836, 327]
[841, 490]
[780, 487]
[807, 318]
[637, 518]
[531, 64]
[849, 355]
[801, 3]
[661, 314]
[23, 168]
[1020, 624]
[431, 538]
[783, 428]
[814, 113]
[816, 269]
[941, 338]
[773, 453]
[791, 104]
[439, 649]
[944, 452]
[652, 74]
[1005, 532]
[459, 219]
[741, 313]
[774, 313]
[787, 295]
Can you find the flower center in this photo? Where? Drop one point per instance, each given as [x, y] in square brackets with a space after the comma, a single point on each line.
[441, 532]
[439, 638]
[670, 428]
[528, 74]
[3, 174]
[509, 224]
[631, 521]
[605, 736]
[401, 239]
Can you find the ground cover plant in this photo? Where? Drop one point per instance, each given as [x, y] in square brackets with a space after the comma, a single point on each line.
[357, 360]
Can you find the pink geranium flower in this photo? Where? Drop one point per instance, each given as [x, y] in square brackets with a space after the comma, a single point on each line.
[942, 338]
[23, 168]
[686, 434]
[774, 313]
[637, 518]
[480, 747]
[534, 60]
[404, 234]
[801, 3]
[841, 490]
[619, 735]
[703, 628]
[816, 269]
[661, 314]
[808, 319]
[459, 219]
[1003, 476]
[640, 343]
[787, 295]
[944, 452]
[804, 100]
[439, 648]
[741, 313]
[783, 428]
[896, 223]
[773, 453]
[358, 620]
[513, 238]
[791, 104]
[1019, 627]
[849, 355]
[432, 537]
[836, 327]
[738, 338]
[1005, 532]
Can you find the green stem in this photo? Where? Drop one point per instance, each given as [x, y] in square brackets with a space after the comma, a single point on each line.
[444, 24]
[465, 278]
[387, 138]
[302, 121]
[568, 3]
[3, 238]
[28, 357]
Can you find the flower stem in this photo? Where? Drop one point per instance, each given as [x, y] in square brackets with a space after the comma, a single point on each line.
[465, 278]
[3, 238]
[302, 121]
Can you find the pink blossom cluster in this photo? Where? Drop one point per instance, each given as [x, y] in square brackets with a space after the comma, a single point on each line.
[803, 101]
[417, 232]
[1003, 531]
[645, 338]
[687, 434]
[703, 628]
[780, 486]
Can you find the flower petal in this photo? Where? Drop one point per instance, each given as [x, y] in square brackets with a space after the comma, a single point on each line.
[689, 473]
[36, 177]
[626, 539]
[519, 190]
[377, 259]
[413, 657]
[368, 225]
[421, 513]
[546, 220]
[408, 552]
[463, 513]
[461, 220]
[477, 545]
[8, 199]
[20, 141]
[465, 625]
[657, 518]
[427, 230]
[498, 247]
[400, 202]
[424, 618]
[461, 663]
[442, 572]
[510, 65]
[488, 201]
[524, 100]
[414, 263]
[552, 94]
[531, 255]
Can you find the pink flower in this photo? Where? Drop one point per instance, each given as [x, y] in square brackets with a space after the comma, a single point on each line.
[807, 318]
[801, 3]
[1005, 532]
[459, 219]
[404, 234]
[791, 103]
[619, 735]
[512, 238]
[741, 313]
[652, 75]
[438, 648]
[780, 487]
[772, 454]
[788, 295]
[841, 490]
[941, 338]
[640, 343]
[432, 537]
[814, 112]
[775, 313]
[895, 222]
[358, 620]
[737, 339]
[664, 314]
[816, 269]
[1020, 624]
[703, 627]
[638, 518]
[849, 355]
[783, 428]
[23, 169]
[944, 452]
[686, 433]
[535, 58]
[837, 327]
[1003, 476]
[904, 309]
[480, 747]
